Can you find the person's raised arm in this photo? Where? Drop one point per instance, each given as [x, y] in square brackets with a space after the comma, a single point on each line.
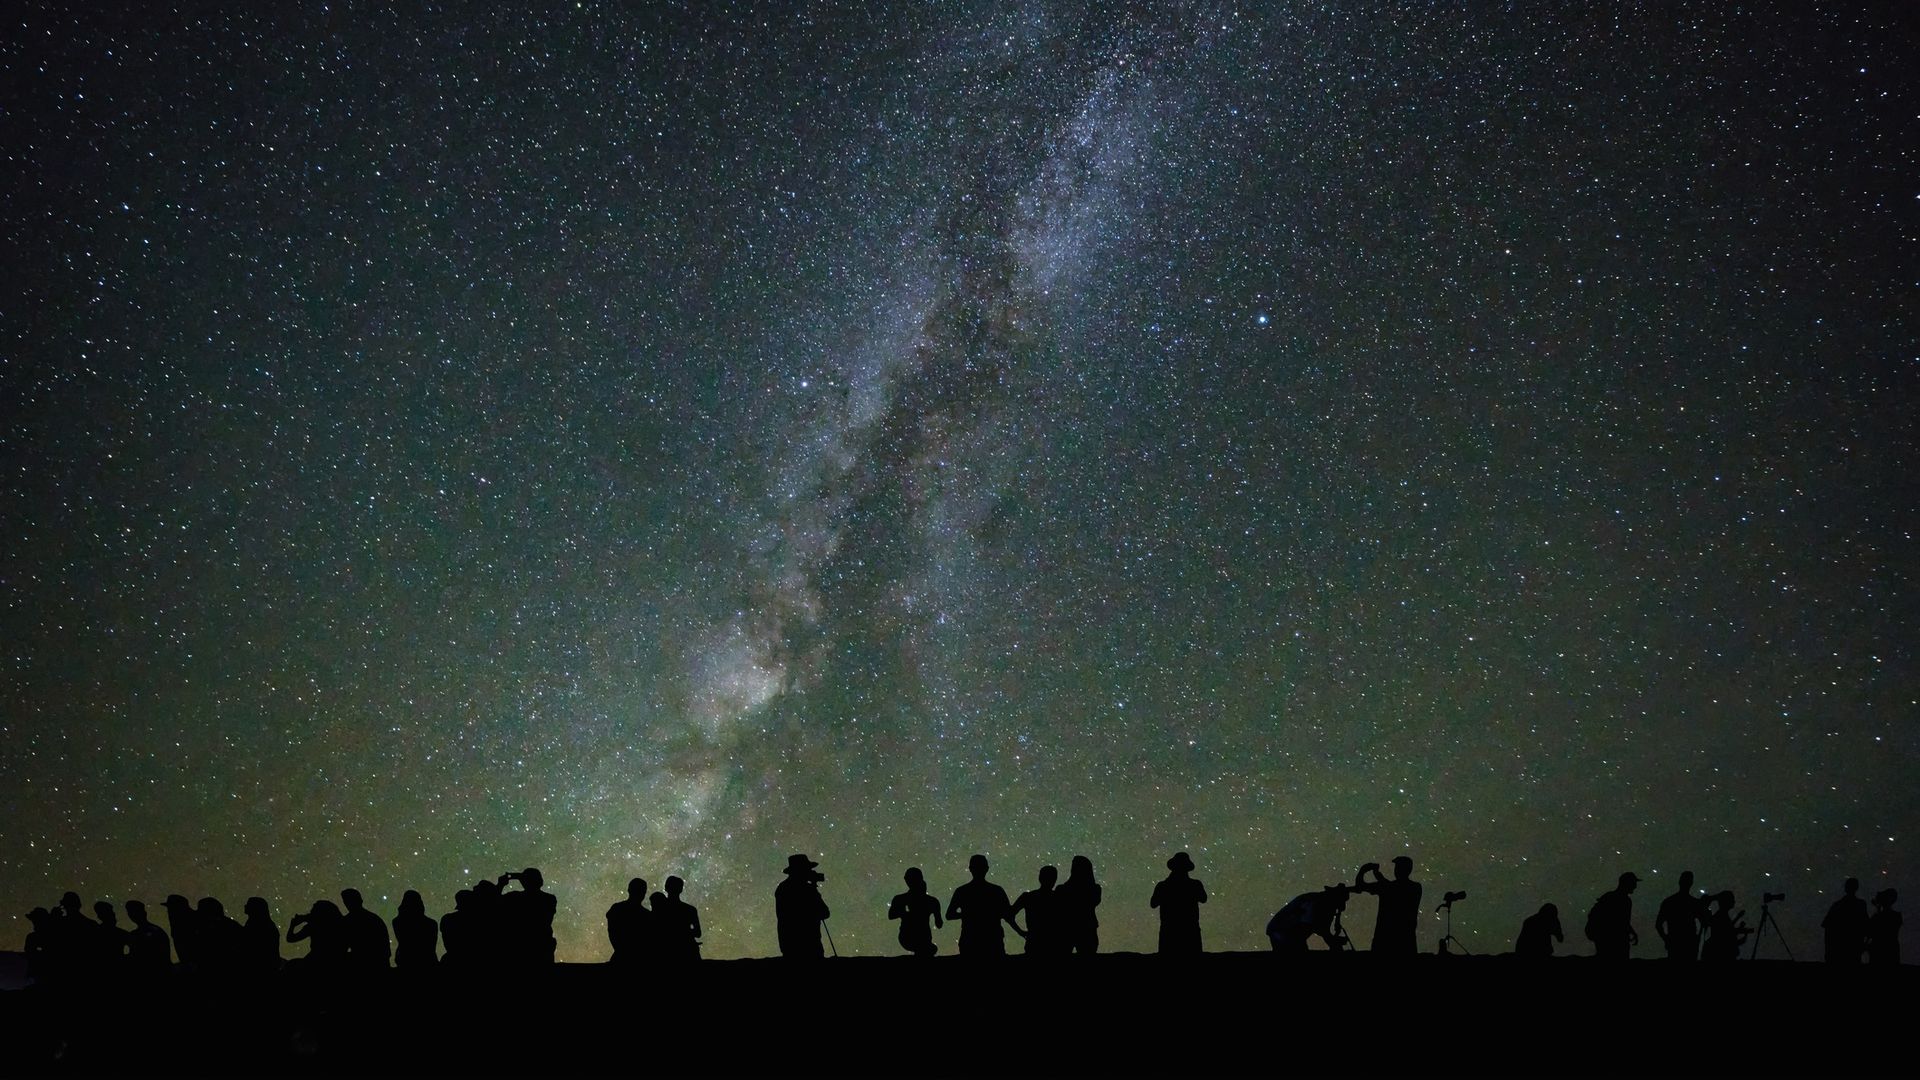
[953, 905]
[897, 909]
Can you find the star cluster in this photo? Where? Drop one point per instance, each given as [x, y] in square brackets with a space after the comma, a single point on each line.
[647, 439]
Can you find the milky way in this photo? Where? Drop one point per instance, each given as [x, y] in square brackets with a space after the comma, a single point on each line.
[654, 442]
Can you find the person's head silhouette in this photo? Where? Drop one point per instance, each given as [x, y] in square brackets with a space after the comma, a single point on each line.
[1852, 886]
[916, 881]
[352, 898]
[211, 908]
[411, 903]
[977, 866]
[1686, 882]
[70, 904]
[137, 912]
[1082, 867]
[103, 911]
[257, 909]
[1402, 868]
[1181, 863]
[674, 887]
[1628, 881]
[637, 889]
[1886, 898]
[531, 880]
[1049, 875]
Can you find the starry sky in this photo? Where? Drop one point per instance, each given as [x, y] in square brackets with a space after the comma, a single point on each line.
[648, 439]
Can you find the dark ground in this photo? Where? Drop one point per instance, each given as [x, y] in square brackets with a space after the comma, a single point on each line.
[1242, 1013]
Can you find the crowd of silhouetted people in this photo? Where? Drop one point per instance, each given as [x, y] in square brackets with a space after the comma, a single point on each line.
[507, 922]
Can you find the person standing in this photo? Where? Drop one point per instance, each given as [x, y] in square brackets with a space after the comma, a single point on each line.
[1883, 929]
[1078, 896]
[799, 911]
[1679, 921]
[1396, 925]
[915, 909]
[1610, 921]
[1846, 926]
[1179, 896]
[1043, 921]
[983, 909]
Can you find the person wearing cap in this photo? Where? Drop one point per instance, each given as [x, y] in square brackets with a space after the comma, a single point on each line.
[148, 950]
[799, 910]
[1883, 929]
[1179, 896]
[1396, 924]
[1610, 922]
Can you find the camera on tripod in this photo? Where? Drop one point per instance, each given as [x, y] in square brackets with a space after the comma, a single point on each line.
[1452, 896]
[1772, 897]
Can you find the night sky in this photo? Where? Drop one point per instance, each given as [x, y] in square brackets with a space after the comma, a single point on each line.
[648, 439]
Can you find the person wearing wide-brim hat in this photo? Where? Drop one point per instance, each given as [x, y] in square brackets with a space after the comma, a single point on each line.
[1179, 897]
[799, 910]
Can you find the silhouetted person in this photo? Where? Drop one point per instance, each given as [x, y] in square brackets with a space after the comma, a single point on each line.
[110, 942]
[1610, 922]
[676, 924]
[416, 936]
[982, 908]
[630, 925]
[1883, 929]
[1725, 931]
[1043, 934]
[73, 944]
[459, 928]
[42, 957]
[916, 909]
[1396, 924]
[1307, 916]
[1538, 932]
[260, 949]
[324, 930]
[488, 930]
[1179, 896]
[1077, 898]
[798, 909]
[1846, 926]
[222, 941]
[527, 917]
[180, 921]
[149, 953]
[1678, 921]
[368, 946]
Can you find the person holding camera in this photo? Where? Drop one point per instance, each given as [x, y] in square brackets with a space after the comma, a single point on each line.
[982, 908]
[1396, 926]
[914, 909]
[799, 910]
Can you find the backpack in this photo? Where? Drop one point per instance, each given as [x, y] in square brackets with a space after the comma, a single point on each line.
[1596, 927]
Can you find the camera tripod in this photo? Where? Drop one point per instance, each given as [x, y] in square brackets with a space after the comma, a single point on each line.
[1449, 942]
[1760, 931]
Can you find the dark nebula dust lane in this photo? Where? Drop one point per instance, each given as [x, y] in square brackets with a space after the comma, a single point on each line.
[655, 442]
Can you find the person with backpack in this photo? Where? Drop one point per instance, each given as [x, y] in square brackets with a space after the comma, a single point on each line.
[1610, 922]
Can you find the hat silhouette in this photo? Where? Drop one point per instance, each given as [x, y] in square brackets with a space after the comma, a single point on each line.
[798, 864]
